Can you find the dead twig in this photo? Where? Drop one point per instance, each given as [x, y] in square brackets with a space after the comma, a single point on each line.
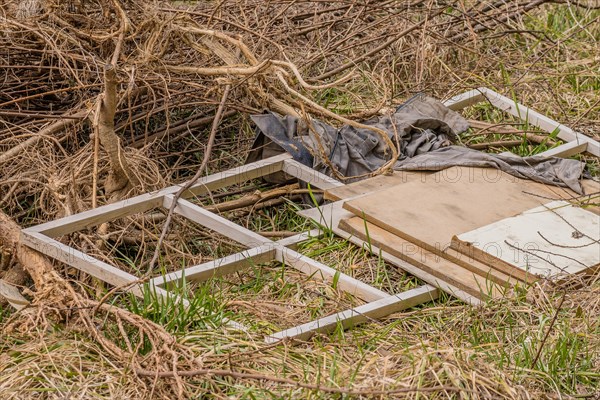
[550, 327]
[51, 130]
[197, 175]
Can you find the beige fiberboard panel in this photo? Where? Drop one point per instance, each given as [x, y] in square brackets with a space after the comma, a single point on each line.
[552, 240]
[330, 216]
[451, 259]
[382, 182]
[371, 185]
[467, 281]
[430, 211]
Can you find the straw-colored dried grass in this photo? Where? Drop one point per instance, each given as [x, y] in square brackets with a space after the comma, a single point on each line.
[172, 74]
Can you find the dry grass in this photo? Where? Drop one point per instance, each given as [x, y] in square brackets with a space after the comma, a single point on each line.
[544, 343]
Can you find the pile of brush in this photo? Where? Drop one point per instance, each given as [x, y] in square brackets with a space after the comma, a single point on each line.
[98, 96]
[143, 75]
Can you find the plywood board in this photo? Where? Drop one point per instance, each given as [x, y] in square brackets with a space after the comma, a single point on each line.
[450, 258]
[503, 277]
[428, 212]
[552, 240]
[372, 185]
[439, 267]
[331, 214]
[472, 252]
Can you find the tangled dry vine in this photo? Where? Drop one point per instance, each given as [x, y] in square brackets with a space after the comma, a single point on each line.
[93, 91]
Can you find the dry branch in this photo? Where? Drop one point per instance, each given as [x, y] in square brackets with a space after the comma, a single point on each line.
[50, 131]
[121, 178]
[168, 65]
[197, 175]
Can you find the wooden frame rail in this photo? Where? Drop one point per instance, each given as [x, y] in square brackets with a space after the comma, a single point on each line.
[575, 142]
[259, 249]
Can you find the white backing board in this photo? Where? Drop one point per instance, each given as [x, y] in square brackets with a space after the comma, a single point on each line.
[549, 240]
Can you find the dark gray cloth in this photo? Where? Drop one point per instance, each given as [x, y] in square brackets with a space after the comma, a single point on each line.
[420, 125]
[424, 131]
[552, 170]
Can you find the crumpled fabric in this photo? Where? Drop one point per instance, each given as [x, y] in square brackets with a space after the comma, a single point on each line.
[425, 132]
[552, 170]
